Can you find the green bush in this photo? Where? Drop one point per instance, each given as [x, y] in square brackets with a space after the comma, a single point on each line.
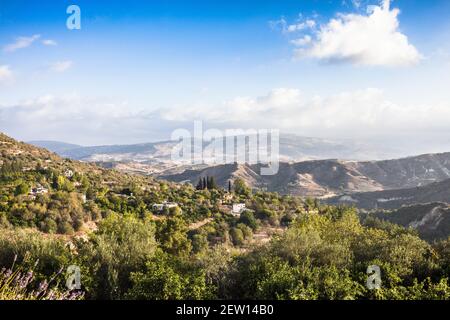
[237, 236]
[168, 278]
[121, 246]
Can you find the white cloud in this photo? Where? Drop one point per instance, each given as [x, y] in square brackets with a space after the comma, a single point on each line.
[367, 112]
[20, 43]
[78, 119]
[5, 73]
[371, 39]
[61, 66]
[361, 114]
[49, 42]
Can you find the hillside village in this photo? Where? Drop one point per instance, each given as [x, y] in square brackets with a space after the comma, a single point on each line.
[134, 236]
[36, 180]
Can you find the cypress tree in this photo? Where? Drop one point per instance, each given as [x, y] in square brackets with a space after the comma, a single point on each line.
[213, 183]
[199, 184]
[209, 182]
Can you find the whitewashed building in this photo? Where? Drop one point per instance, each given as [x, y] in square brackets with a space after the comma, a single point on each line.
[38, 190]
[165, 204]
[237, 209]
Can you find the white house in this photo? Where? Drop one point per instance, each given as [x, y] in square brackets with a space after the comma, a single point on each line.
[38, 190]
[237, 209]
[165, 204]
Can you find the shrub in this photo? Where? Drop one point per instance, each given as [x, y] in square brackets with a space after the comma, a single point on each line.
[16, 284]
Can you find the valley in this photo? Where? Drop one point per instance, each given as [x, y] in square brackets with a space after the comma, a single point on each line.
[131, 230]
[385, 189]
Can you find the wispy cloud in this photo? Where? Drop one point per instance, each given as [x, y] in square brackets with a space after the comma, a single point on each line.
[21, 43]
[5, 74]
[61, 66]
[300, 25]
[49, 42]
[308, 24]
[303, 41]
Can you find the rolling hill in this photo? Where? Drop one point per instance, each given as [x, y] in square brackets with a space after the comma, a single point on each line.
[393, 199]
[324, 178]
[317, 178]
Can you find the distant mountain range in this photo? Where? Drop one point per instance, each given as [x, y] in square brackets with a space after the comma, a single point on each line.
[55, 146]
[292, 149]
[297, 176]
[134, 152]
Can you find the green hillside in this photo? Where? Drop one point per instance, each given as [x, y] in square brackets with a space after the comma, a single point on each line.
[134, 237]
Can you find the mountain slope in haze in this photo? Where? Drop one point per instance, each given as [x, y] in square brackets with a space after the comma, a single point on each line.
[406, 172]
[292, 148]
[393, 199]
[55, 146]
[137, 152]
[322, 178]
[431, 220]
[296, 148]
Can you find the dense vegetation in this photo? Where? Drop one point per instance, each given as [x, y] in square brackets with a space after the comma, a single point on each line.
[59, 212]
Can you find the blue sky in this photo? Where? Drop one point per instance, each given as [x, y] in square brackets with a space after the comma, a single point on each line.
[135, 72]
